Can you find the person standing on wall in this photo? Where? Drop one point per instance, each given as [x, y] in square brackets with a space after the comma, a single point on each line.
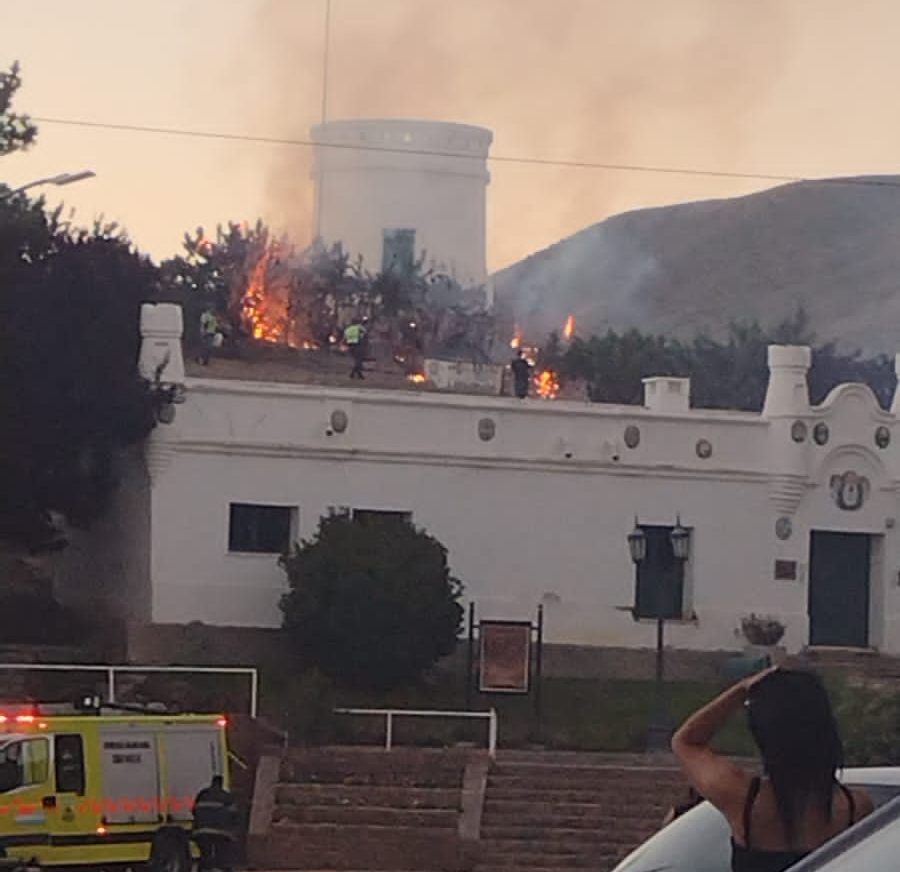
[215, 823]
[521, 370]
[355, 340]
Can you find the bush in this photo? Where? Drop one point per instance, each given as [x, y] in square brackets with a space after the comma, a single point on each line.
[372, 605]
[870, 725]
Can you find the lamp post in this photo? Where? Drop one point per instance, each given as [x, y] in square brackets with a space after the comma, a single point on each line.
[61, 179]
[659, 732]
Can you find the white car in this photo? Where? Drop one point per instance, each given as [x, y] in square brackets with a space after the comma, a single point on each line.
[700, 840]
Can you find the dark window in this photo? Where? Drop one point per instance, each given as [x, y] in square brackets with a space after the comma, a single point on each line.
[398, 250]
[376, 516]
[69, 764]
[259, 529]
[660, 577]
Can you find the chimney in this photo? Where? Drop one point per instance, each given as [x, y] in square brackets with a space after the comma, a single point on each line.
[788, 393]
[667, 394]
[161, 331]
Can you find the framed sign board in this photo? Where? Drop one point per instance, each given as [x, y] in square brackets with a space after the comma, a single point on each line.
[505, 656]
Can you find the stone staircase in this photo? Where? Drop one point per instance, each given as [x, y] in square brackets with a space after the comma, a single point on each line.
[343, 809]
[549, 812]
[362, 809]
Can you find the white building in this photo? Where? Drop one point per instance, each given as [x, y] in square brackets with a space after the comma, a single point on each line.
[392, 189]
[791, 512]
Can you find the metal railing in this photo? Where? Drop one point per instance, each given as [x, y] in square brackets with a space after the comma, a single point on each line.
[112, 671]
[390, 714]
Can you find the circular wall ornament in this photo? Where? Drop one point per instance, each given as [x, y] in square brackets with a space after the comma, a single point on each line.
[632, 436]
[339, 420]
[821, 433]
[784, 527]
[798, 431]
[882, 437]
[704, 449]
[487, 429]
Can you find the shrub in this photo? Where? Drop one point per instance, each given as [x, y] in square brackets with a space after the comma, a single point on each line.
[372, 605]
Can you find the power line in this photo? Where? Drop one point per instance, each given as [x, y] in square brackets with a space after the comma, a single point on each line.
[509, 159]
[495, 158]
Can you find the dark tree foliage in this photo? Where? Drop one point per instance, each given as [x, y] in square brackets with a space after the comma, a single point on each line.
[373, 604]
[69, 341]
[729, 374]
[16, 131]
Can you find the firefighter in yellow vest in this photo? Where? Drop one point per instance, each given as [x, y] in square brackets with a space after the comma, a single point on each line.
[355, 340]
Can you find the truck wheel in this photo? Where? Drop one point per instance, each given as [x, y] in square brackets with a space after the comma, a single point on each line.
[170, 853]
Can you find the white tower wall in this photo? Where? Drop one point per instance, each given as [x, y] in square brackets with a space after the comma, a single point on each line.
[427, 176]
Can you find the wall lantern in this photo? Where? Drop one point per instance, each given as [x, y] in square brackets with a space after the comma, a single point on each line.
[637, 543]
[681, 540]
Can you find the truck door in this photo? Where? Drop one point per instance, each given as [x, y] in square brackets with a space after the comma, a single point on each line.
[26, 793]
[130, 772]
[69, 780]
[192, 756]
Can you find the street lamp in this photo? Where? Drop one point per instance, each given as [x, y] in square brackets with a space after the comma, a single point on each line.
[659, 733]
[61, 179]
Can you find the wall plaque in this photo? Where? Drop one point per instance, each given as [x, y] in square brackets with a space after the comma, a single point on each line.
[785, 570]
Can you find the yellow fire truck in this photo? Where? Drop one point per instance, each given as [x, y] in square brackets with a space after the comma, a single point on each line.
[104, 789]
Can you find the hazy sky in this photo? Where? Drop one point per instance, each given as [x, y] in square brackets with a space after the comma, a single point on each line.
[792, 87]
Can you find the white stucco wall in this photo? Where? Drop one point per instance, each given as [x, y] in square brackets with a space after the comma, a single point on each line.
[427, 176]
[537, 514]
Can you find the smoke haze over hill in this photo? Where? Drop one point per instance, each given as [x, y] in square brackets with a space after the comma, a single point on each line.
[829, 246]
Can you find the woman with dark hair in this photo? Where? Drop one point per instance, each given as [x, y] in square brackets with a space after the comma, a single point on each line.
[798, 803]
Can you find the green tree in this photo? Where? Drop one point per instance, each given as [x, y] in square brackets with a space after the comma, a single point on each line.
[69, 341]
[16, 131]
[729, 374]
[372, 604]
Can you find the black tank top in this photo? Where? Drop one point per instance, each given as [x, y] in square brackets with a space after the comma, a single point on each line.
[746, 858]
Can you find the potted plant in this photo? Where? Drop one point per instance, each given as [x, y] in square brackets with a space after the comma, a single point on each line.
[762, 631]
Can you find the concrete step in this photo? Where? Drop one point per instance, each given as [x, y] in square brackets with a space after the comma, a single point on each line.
[366, 795]
[586, 796]
[366, 815]
[351, 846]
[560, 838]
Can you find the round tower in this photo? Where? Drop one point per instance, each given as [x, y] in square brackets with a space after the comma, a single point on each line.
[392, 190]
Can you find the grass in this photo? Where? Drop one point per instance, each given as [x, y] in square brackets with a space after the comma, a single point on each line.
[577, 714]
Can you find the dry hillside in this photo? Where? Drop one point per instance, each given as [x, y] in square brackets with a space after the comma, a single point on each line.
[832, 246]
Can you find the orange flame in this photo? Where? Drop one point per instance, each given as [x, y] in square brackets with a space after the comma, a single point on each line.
[546, 384]
[516, 341]
[417, 378]
[569, 329]
[265, 303]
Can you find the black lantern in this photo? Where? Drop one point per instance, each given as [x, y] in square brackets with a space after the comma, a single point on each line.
[637, 543]
[681, 541]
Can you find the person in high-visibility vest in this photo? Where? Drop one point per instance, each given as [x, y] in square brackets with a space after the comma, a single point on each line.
[355, 340]
[215, 823]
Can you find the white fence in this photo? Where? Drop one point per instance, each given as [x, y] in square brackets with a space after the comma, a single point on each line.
[112, 671]
[390, 714]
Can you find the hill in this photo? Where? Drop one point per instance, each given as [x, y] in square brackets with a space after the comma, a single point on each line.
[832, 246]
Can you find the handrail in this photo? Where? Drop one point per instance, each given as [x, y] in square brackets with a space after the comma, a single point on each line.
[390, 714]
[111, 671]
